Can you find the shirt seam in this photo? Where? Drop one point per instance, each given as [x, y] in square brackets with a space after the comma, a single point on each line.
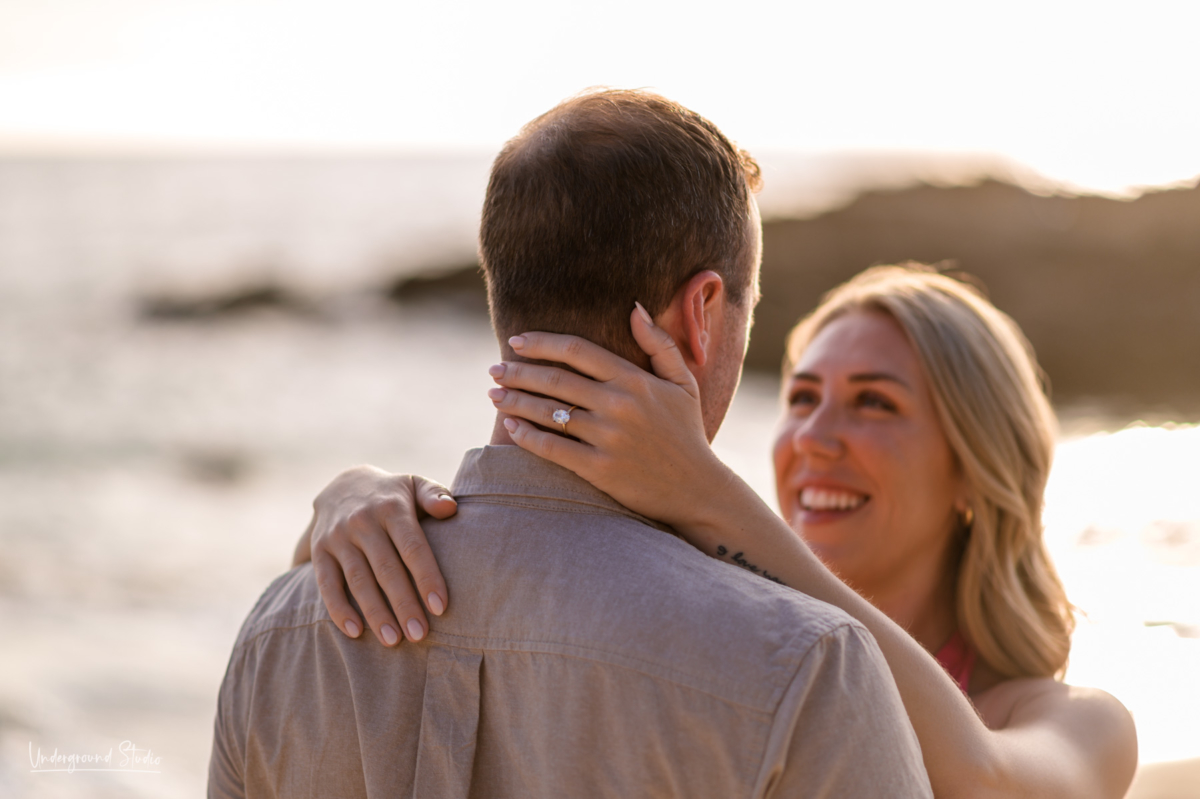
[654, 670]
[681, 678]
[241, 652]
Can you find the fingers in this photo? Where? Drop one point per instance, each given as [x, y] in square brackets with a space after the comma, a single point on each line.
[540, 410]
[361, 582]
[392, 577]
[554, 448]
[434, 498]
[581, 354]
[551, 381]
[408, 539]
[331, 586]
[665, 358]
[365, 532]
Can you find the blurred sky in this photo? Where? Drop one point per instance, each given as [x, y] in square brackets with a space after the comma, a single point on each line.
[1095, 94]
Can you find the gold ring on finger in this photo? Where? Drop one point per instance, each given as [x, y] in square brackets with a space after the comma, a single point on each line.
[562, 416]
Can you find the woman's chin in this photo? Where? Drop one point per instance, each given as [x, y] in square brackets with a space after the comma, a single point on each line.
[836, 545]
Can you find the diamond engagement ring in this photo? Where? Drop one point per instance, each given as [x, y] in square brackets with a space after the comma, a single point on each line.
[562, 416]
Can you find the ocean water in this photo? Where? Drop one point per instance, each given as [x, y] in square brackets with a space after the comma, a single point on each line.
[155, 476]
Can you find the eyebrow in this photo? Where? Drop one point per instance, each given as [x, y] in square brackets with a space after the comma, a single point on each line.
[860, 377]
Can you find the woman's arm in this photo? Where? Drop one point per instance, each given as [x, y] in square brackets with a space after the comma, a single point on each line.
[641, 440]
[1057, 742]
[365, 534]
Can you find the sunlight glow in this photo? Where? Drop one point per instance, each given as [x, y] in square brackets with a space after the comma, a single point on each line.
[1123, 525]
[1096, 95]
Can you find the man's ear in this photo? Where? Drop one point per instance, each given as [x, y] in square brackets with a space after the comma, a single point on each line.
[694, 315]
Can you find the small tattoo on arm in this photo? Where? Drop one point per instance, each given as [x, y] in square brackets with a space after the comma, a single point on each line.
[738, 559]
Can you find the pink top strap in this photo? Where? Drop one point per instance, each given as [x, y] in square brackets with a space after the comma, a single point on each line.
[958, 659]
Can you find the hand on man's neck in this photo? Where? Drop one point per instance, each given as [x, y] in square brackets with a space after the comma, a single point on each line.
[700, 320]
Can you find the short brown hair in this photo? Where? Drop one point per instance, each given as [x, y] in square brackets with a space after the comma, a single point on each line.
[610, 197]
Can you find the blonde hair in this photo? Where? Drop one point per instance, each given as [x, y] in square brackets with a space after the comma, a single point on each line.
[989, 396]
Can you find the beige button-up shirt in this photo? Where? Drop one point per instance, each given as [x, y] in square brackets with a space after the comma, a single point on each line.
[586, 651]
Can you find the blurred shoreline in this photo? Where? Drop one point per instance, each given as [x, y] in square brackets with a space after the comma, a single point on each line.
[1108, 290]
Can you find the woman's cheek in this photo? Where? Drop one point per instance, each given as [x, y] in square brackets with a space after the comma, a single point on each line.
[783, 457]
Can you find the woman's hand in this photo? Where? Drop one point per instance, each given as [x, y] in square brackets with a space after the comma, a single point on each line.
[365, 534]
[641, 438]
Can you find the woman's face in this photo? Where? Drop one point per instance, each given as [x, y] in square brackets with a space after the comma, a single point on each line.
[862, 468]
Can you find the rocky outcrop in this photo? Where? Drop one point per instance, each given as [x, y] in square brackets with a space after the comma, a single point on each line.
[1107, 290]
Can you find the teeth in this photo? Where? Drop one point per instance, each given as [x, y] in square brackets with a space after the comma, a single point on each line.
[828, 499]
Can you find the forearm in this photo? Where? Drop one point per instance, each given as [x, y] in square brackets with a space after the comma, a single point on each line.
[959, 751]
[1056, 744]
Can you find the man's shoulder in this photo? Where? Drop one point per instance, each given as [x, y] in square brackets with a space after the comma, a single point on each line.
[292, 600]
[609, 587]
[748, 627]
[742, 595]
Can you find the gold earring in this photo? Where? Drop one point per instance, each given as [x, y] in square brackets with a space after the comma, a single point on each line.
[968, 517]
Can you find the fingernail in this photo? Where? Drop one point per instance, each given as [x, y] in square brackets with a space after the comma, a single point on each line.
[510, 425]
[435, 604]
[644, 313]
[516, 342]
[389, 635]
[415, 631]
[446, 498]
[497, 394]
[352, 628]
[496, 371]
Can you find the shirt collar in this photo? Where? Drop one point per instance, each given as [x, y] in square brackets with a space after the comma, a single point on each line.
[511, 471]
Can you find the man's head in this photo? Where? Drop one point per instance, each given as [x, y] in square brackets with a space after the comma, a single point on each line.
[617, 196]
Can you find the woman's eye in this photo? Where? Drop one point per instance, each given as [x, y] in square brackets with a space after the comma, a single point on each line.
[870, 399]
[803, 398]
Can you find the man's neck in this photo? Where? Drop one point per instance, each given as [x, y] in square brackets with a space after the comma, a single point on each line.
[500, 436]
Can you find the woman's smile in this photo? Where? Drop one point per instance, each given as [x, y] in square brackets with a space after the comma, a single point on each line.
[822, 501]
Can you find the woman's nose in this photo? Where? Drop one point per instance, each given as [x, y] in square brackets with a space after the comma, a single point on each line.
[818, 435]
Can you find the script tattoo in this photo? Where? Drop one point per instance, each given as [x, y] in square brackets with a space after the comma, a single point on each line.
[737, 558]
